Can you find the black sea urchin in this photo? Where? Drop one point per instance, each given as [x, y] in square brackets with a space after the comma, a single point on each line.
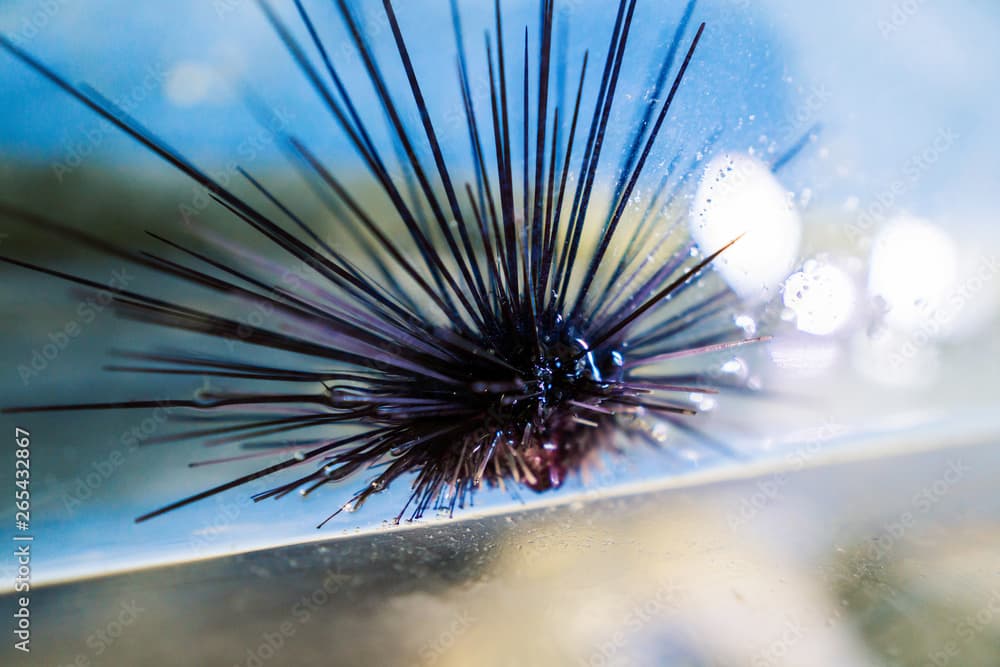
[489, 330]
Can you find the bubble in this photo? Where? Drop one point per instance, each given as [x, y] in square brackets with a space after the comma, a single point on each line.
[822, 297]
[747, 323]
[914, 268]
[704, 402]
[737, 195]
[736, 367]
[660, 432]
[190, 83]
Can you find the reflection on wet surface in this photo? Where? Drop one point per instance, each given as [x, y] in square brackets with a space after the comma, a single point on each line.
[867, 562]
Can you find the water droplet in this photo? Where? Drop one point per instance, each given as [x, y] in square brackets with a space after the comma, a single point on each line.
[735, 367]
[747, 323]
[660, 432]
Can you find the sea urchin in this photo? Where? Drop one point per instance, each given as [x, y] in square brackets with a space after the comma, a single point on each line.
[489, 330]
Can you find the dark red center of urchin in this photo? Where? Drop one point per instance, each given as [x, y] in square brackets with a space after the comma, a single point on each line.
[573, 428]
[553, 413]
[531, 419]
